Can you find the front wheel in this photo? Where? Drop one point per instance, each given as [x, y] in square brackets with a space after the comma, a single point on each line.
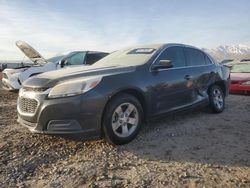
[217, 99]
[122, 119]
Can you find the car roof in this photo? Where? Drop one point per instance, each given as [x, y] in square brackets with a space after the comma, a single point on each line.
[88, 51]
[159, 45]
[95, 52]
[155, 46]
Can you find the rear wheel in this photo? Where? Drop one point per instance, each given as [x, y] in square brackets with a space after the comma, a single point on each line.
[217, 99]
[122, 119]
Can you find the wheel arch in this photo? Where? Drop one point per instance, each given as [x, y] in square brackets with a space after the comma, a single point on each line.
[221, 84]
[131, 91]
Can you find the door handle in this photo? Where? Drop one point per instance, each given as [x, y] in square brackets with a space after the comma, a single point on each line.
[188, 77]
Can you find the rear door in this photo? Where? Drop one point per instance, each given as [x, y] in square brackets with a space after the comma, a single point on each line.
[170, 85]
[200, 71]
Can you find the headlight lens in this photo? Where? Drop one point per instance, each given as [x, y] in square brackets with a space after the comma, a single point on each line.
[75, 87]
[246, 83]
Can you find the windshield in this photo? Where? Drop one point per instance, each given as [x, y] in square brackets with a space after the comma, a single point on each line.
[241, 68]
[127, 57]
[55, 59]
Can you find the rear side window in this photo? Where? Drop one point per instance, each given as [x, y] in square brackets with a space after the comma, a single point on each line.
[194, 57]
[208, 60]
[175, 55]
[92, 58]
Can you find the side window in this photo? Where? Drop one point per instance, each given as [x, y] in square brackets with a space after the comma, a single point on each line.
[175, 55]
[194, 57]
[92, 58]
[76, 59]
[208, 60]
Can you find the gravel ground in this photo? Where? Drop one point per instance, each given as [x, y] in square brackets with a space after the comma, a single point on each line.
[195, 149]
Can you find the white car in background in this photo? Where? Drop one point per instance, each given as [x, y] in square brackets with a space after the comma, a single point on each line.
[13, 78]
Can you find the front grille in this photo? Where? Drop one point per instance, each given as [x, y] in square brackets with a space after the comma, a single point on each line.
[27, 105]
[5, 76]
[34, 89]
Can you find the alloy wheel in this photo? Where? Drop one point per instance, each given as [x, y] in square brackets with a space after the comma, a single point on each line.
[125, 119]
[218, 98]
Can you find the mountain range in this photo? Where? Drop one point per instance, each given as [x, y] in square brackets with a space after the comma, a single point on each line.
[239, 51]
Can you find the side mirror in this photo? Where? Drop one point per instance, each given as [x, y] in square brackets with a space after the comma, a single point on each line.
[62, 62]
[163, 64]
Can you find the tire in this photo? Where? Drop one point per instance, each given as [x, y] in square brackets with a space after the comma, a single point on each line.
[118, 116]
[217, 99]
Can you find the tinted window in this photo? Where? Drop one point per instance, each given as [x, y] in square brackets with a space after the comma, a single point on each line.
[194, 57]
[175, 55]
[76, 59]
[92, 58]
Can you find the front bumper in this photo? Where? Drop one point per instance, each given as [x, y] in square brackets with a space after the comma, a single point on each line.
[10, 85]
[69, 115]
[54, 127]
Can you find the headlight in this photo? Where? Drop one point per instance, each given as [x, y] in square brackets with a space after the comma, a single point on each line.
[246, 83]
[75, 87]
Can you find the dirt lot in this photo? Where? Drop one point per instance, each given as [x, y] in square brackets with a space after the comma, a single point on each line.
[195, 149]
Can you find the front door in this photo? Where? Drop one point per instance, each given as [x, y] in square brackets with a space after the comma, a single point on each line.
[170, 85]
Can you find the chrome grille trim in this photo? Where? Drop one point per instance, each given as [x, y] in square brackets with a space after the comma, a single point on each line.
[31, 97]
[31, 89]
[27, 105]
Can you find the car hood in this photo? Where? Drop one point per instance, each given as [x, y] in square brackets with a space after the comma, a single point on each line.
[240, 76]
[50, 79]
[30, 52]
[15, 70]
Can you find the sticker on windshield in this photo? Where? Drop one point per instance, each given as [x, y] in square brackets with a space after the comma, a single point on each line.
[142, 51]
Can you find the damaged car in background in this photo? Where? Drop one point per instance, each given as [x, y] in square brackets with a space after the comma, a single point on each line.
[13, 78]
[240, 78]
[118, 93]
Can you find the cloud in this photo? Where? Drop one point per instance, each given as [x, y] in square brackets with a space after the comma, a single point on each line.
[51, 32]
[56, 26]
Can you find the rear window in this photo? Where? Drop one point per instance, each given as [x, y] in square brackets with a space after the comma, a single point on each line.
[241, 68]
[194, 57]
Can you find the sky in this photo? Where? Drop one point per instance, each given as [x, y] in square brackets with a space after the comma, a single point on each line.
[56, 26]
